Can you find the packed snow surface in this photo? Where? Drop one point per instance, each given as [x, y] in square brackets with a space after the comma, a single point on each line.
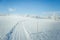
[26, 28]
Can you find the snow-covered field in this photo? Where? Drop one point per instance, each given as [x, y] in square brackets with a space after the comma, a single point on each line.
[25, 28]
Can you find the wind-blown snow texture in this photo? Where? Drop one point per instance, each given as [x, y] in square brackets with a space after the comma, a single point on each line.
[26, 28]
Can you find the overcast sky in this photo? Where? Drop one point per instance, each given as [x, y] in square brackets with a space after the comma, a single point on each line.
[29, 6]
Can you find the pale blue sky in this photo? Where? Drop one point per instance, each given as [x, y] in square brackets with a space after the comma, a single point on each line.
[29, 6]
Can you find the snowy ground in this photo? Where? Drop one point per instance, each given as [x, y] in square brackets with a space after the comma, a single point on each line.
[29, 28]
